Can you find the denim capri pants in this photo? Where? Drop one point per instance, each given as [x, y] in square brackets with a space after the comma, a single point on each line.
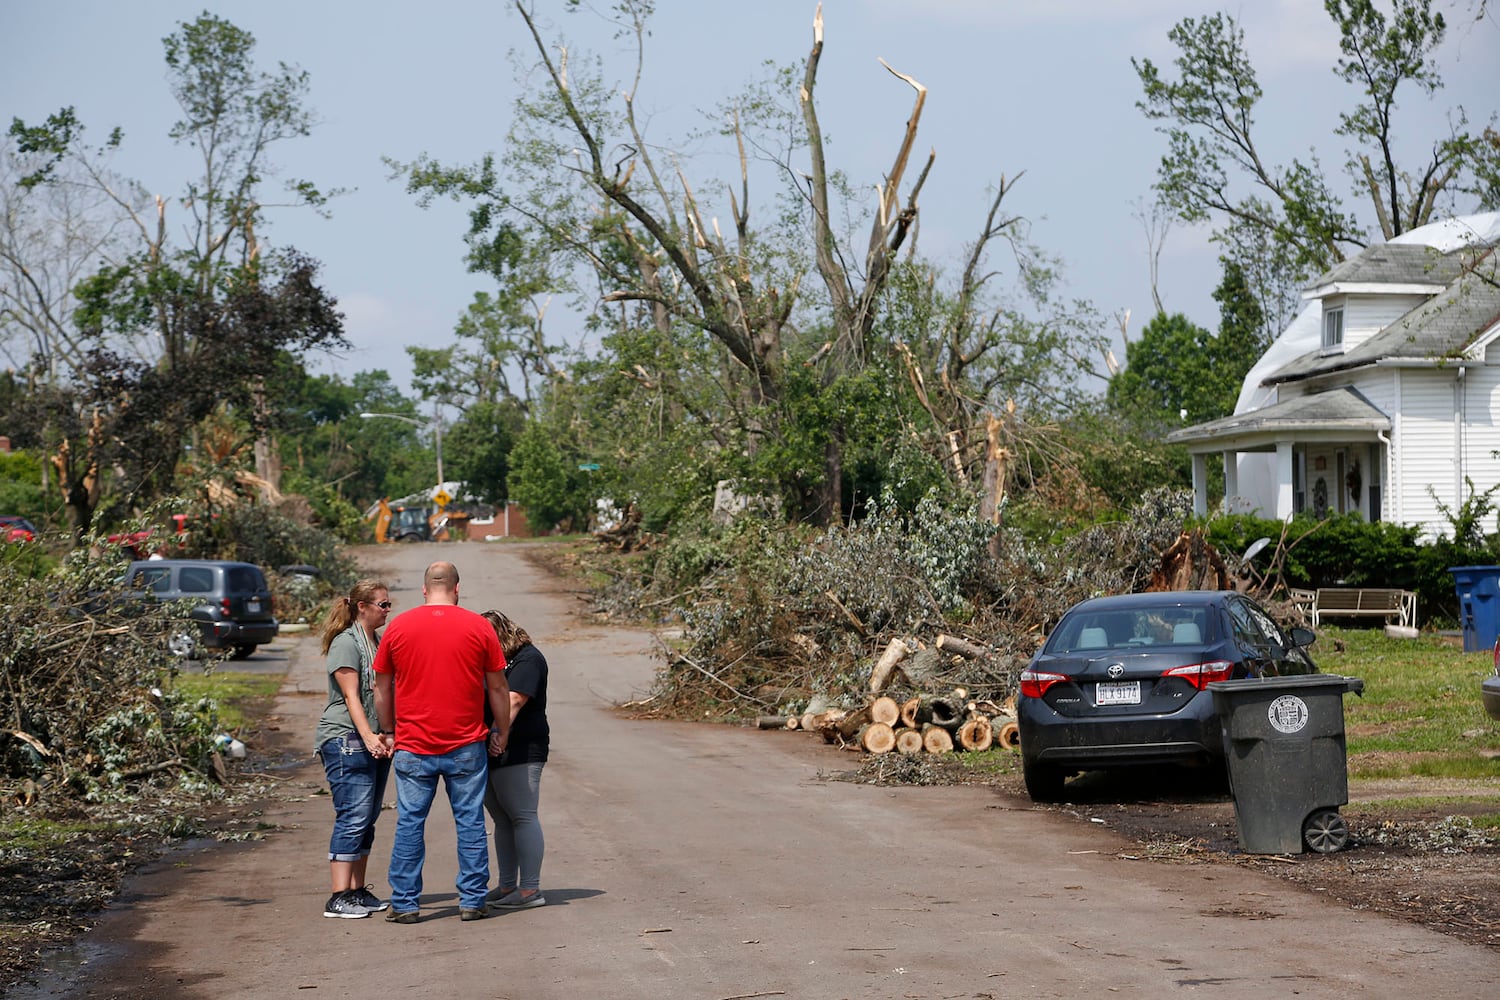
[357, 782]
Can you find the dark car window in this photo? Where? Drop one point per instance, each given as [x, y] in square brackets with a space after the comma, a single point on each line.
[154, 579]
[245, 580]
[1247, 630]
[195, 580]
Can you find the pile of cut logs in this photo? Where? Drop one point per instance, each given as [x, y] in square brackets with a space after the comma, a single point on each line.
[923, 724]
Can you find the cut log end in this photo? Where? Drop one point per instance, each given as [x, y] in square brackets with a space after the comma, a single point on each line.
[878, 737]
[909, 741]
[936, 739]
[1009, 735]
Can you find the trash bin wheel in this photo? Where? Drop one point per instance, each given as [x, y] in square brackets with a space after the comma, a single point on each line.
[1325, 831]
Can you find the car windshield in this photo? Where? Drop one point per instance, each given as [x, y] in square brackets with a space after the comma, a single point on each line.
[1116, 628]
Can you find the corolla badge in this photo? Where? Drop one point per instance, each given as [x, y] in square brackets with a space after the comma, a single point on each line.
[1116, 670]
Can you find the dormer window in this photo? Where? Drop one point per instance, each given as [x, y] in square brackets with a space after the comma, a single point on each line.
[1333, 328]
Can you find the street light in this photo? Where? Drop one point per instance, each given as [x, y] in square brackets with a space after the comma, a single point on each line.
[437, 428]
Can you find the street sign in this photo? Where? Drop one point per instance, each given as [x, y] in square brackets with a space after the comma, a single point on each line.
[441, 498]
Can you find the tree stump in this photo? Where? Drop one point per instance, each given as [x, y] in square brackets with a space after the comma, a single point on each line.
[1009, 735]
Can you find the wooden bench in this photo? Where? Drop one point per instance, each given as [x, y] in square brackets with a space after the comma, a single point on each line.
[1395, 606]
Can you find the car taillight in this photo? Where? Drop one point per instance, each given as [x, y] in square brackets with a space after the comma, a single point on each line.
[224, 603]
[1034, 683]
[1199, 675]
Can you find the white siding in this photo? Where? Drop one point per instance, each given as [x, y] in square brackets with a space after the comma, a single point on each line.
[1367, 315]
[1425, 446]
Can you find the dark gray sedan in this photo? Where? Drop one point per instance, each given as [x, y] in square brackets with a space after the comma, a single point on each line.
[1489, 691]
[1123, 681]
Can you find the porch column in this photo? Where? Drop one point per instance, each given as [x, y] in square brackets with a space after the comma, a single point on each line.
[1231, 479]
[1284, 492]
[1200, 483]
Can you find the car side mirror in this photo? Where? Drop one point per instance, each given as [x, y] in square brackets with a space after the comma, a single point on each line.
[1303, 636]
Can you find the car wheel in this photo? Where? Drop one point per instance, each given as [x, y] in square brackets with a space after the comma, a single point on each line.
[183, 644]
[1325, 831]
[243, 652]
[1044, 783]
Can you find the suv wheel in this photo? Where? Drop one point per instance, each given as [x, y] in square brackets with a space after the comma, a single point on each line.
[184, 644]
[1044, 783]
[243, 652]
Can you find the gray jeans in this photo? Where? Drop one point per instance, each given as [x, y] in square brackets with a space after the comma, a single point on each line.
[511, 799]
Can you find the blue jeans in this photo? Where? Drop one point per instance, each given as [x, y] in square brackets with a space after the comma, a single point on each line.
[356, 781]
[464, 771]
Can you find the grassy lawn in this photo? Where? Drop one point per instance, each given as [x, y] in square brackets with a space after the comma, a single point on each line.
[243, 697]
[1420, 714]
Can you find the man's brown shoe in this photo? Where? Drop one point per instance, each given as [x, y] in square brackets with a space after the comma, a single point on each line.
[402, 916]
[464, 913]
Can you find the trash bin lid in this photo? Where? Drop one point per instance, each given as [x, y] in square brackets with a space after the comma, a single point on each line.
[1299, 682]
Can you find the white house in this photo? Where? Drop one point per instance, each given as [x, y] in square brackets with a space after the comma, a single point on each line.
[1381, 397]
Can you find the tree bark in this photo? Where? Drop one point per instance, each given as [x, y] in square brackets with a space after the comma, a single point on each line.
[885, 666]
[961, 647]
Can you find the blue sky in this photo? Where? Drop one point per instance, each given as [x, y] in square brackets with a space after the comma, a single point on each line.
[1043, 86]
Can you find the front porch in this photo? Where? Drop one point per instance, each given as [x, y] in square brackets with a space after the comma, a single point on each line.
[1327, 453]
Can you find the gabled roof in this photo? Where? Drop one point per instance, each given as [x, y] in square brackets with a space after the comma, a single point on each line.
[1444, 327]
[1401, 264]
[1342, 409]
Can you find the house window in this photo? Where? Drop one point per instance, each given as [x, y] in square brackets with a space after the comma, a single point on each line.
[1333, 327]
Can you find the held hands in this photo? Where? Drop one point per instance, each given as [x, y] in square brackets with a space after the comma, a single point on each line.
[496, 744]
[380, 744]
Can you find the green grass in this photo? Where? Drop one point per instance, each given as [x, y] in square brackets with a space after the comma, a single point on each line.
[242, 697]
[1420, 713]
[37, 835]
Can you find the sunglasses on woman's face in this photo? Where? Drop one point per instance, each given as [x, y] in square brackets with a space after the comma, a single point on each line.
[382, 605]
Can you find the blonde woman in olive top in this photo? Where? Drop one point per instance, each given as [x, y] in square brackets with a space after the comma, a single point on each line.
[356, 756]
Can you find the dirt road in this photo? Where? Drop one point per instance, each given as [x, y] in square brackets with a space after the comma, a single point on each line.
[703, 863]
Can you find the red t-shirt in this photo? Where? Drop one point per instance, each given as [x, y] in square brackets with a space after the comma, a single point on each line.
[439, 654]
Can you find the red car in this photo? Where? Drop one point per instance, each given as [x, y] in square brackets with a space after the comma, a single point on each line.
[14, 528]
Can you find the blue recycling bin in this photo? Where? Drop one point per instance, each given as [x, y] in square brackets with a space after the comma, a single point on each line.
[1478, 605]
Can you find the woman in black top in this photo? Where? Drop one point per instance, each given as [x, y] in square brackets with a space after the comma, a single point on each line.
[516, 775]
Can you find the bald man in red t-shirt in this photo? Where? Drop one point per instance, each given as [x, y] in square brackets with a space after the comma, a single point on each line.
[439, 663]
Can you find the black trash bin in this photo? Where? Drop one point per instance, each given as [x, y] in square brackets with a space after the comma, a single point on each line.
[1288, 767]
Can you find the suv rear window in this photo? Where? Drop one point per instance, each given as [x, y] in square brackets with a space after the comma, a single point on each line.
[245, 580]
[195, 580]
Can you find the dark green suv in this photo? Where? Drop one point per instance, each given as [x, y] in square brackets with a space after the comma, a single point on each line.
[232, 603]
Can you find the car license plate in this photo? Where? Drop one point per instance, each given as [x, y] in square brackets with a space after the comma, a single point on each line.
[1118, 693]
[252, 606]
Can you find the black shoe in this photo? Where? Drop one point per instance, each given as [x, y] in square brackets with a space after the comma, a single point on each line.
[345, 904]
[464, 913]
[369, 900]
[402, 916]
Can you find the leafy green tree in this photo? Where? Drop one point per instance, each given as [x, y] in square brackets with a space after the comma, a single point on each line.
[213, 310]
[478, 447]
[1177, 372]
[538, 478]
[1294, 210]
